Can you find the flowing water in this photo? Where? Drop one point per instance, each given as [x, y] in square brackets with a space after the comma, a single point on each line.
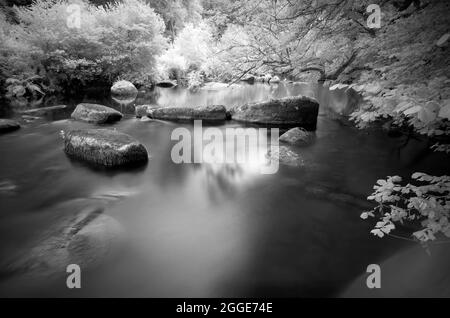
[201, 230]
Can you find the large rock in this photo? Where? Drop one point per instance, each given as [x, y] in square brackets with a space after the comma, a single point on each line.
[124, 88]
[207, 113]
[293, 111]
[297, 136]
[94, 113]
[7, 125]
[104, 147]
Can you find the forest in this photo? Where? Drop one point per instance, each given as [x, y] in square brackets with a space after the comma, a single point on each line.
[392, 54]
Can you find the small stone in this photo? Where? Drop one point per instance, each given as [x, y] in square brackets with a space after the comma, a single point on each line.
[297, 136]
[285, 156]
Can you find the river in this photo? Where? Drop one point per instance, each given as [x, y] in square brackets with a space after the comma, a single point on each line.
[197, 230]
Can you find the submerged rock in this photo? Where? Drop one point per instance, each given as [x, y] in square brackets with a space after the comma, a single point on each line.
[7, 125]
[104, 147]
[124, 88]
[297, 136]
[96, 242]
[208, 113]
[285, 156]
[94, 113]
[80, 233]
[298, 111]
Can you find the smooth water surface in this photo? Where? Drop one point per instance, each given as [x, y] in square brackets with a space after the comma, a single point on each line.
[202, 230]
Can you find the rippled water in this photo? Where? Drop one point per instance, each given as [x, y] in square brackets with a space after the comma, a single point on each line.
[210, 230]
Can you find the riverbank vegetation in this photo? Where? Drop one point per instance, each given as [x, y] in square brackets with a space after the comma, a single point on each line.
[400, 67]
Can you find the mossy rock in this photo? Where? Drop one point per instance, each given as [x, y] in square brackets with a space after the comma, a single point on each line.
[104, 147]
[94, 113]
[124, 88]
[292, 111]
[297, 137]
[207, 113]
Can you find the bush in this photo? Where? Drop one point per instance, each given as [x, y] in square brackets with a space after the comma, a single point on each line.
[122, 40]
[191, 52]
[424, 206]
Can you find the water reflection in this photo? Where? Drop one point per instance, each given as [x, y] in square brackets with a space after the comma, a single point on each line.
[230, 96]
[126, 103]
[332, 103]
[209, 229]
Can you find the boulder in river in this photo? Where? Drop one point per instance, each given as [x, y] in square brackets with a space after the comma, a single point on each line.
[285, 156]
[104, 147]
[124, 88]
[292, 111]
[297, 136]
[7, 125]
[94, 113]
[207, 113]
